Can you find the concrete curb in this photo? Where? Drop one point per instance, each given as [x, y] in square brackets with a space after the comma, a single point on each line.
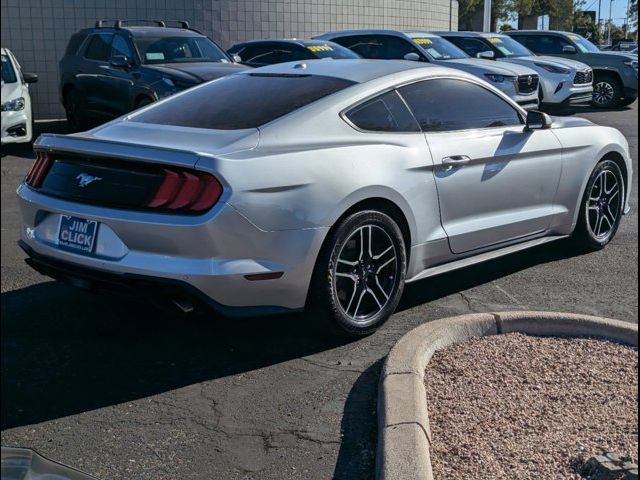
[404, 435]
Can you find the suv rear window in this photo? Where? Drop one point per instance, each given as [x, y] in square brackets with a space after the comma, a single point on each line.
[242, 101]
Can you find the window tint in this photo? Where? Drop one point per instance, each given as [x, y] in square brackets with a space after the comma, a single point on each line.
[330, 50]
[385, 113]
[99, 47]
[270, 54]
[446, 105]
[471, 46]
[543, 44]
[242, 101]
[382, 47]
[74, 43]
[120, 46]
[179, 49]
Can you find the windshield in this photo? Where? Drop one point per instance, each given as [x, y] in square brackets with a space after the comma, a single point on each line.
[583, 44]
[8, 73]
[509, 47]
[331, 50]
[179, 50]
[439, 48]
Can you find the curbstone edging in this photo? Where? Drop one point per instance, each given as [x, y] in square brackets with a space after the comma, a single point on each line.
[404, 436]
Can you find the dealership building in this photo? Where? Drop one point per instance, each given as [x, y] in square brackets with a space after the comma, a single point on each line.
[37, 31]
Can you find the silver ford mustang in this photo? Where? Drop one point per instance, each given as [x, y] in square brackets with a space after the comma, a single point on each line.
[324, 184]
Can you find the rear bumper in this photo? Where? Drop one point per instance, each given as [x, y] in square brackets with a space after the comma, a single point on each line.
[157, 290]
[216, 254]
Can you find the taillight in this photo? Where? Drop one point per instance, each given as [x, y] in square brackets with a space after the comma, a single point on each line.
[182, 190]
[39, 170]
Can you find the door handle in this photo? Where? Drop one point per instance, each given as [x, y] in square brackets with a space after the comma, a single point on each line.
[455, 160]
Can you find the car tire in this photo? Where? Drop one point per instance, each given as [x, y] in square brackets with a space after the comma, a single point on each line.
[359, 275]
[602, 207]
[73, 108]
[607, 91]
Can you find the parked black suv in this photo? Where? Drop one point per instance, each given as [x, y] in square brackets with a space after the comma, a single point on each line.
[107, 71]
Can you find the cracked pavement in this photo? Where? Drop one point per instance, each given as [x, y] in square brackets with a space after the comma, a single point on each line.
[123, 391]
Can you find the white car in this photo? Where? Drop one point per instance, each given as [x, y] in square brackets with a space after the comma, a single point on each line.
[16, 102]
[562, 81]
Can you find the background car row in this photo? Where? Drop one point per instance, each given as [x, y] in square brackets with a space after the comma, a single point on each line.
[114, 68]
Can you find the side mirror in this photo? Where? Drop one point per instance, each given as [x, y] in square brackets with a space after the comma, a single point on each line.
[412, 57]
[569, 49]
[537, 121]
[236, 58]
[488, 55]
[119, 61]
[30, 77]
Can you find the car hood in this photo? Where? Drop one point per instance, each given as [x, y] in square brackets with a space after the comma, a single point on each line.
[198, 72]
[552, 61]
[11, 91]
[475, 65]
[604, 57]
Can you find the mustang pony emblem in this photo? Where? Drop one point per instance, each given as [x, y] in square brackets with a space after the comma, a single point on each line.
[85, 179]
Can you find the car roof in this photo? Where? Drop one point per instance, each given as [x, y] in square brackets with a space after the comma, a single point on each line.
[540, 32]
[355, 70]
[470, 34]
[345, 33]
[150, 31]
[289, 41]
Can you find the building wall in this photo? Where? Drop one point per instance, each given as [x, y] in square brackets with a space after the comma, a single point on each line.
[37, 30]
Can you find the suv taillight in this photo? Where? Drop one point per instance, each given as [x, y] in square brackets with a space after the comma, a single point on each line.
[39, 169]
[186, 190]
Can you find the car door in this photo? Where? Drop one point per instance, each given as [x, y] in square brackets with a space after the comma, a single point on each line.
[91, 74]
[496, 181]
[119, 81]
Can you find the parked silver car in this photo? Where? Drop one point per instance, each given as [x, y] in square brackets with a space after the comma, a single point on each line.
[348, 180]
[518, 82]
[562, 81]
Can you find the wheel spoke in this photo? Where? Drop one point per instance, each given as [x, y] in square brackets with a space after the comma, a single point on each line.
[386, 297]
[362, 293]
[353, 295]
[350, 276]
[372, 293]
[614, 195]
[385, 264]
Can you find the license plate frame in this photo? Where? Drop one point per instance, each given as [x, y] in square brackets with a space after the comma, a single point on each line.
[77, 235]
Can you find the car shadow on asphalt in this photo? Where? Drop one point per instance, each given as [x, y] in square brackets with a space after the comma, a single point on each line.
[66, 351]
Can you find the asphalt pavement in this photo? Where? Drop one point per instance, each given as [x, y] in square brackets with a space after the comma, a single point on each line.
[124, 391]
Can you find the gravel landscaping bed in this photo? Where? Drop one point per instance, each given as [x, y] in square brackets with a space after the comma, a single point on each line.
[514, 406]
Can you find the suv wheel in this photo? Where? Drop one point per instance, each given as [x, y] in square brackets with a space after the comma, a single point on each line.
[607, 91]
[360, 274]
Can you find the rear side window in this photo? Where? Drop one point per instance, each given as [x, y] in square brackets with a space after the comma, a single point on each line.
[99, 47]
[444, 105]
[381, 47]
[242, 101]
[384, 113]
[74, 43]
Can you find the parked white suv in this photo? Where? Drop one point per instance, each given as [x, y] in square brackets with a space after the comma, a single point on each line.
[562, 81]
[518, 82]
[16, 102]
